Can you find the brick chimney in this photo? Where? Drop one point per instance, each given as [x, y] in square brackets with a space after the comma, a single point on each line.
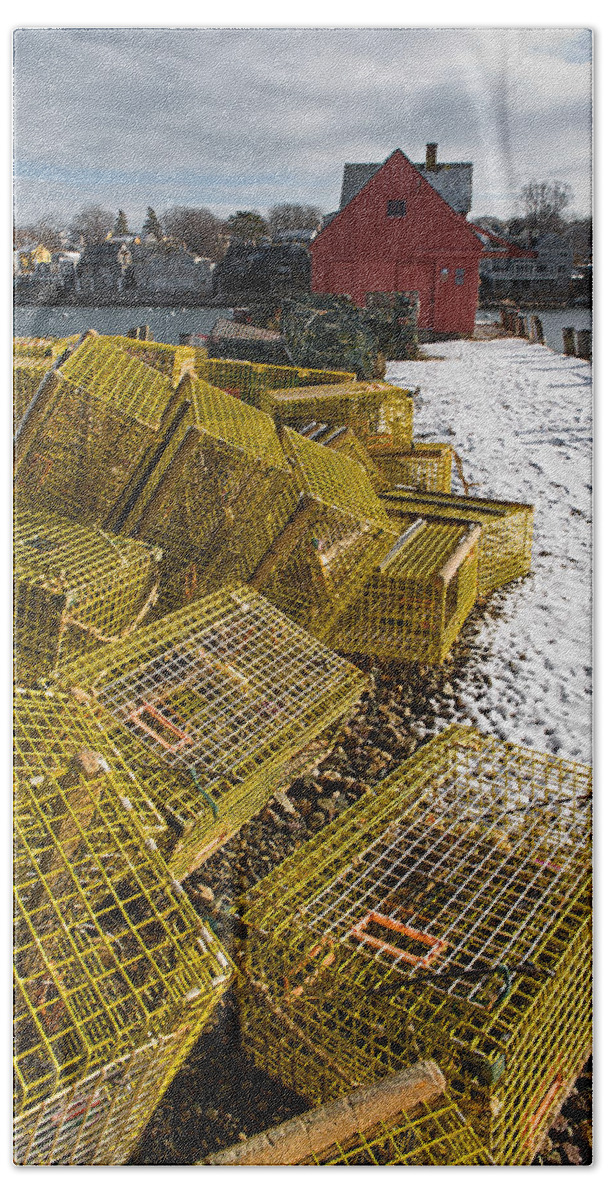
[431, 156]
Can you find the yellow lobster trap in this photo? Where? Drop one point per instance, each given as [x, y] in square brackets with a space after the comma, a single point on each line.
[445, 915]
[115, 975]
[372, 410]
[233, 494]
[415, 601]
[209, 704]
[92, 417]
[248, 380]
[340, 437]
[505, 543]
[75, 587]
[338, 533]
[426, 466]
[430, 1135]
[171, 361]
[51, 729]
[28, 373]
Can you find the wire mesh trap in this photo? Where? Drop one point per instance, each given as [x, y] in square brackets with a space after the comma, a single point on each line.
[75, 587]
[340, 437]
[28, 373]
[248, 380]
[208, 704]
[372, 410]
[91, 419]
[232, 497]
[115, 974]
[426, 466]
[171, 361]
[415, 601]
[338, 534]
[51, 729]
[445, 915]
[505, 543]
[432, 1135]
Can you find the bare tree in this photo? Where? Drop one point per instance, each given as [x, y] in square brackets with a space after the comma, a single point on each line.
[197, 229]
[293, 216]
[93, 224]
[543, 205]
[46, 231]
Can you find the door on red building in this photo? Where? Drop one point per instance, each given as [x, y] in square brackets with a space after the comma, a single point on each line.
[418, 277]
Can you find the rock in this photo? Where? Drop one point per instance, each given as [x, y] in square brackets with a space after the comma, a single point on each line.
[572, 1153]
[205, 894]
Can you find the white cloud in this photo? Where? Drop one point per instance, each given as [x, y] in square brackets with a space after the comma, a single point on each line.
[241, 117]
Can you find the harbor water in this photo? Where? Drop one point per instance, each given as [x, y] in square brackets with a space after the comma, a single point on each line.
[166, 324]
[553, 321]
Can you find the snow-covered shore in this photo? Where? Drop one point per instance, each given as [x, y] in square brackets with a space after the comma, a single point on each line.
[520, 416]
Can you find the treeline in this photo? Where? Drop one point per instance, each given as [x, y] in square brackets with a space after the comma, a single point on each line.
[198, 229]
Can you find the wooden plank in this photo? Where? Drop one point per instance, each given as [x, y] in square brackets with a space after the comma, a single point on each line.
[315, 1131]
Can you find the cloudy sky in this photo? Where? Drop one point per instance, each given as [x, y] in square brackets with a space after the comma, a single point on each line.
[244, 118]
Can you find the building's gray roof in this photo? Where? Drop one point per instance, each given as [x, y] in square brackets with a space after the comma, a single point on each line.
[453, 182]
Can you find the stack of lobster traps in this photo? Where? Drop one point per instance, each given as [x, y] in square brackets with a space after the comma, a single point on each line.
[115, 974]
[445, 915]
[278, 519]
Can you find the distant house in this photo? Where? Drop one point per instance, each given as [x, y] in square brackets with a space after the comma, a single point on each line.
[27, 258]
[103, 269]
[402, 227]
[158, 270]
[547, 274]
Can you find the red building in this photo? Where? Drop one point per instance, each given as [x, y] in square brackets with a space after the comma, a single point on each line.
[398, 234]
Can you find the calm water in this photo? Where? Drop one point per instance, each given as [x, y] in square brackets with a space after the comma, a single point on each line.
[166, 324]
[554, 320]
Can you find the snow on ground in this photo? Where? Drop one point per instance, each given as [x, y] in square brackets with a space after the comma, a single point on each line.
[520, 417]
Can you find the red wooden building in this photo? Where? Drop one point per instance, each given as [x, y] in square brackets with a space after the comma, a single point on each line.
[398, 234]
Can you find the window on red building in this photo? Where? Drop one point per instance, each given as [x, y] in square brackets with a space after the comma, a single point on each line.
[459, 275]
[395, 208]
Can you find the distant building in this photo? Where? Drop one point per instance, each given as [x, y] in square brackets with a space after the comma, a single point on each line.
[398, 231]
[158, 270]
[547, 275]
[103, 269]
[27, 258]
[452, 181]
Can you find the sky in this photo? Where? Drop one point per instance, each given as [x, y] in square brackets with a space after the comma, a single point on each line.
[245, 118]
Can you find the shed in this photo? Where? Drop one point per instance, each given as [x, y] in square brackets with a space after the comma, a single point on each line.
[397, 234]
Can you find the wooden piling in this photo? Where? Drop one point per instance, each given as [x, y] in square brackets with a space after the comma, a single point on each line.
[536, 330]
[583, 343]
[520, 326]
[569, 340]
